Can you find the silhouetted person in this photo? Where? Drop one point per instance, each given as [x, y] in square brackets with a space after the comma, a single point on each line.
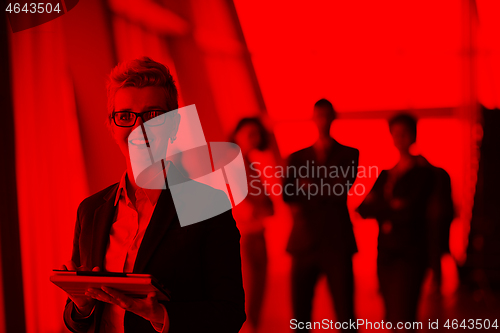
[322, 240]
[251, 136]
[399, 201]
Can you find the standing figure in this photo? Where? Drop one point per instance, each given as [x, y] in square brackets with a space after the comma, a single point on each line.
[251, 136]
[322, 240]
[399, 202]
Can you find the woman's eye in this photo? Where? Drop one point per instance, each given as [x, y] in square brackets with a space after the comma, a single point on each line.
[153, 114]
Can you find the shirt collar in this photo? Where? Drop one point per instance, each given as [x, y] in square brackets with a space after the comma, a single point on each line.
[122, 187]
[151, 194]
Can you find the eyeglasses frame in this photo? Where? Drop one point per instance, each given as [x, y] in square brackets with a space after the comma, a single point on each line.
[140, 114]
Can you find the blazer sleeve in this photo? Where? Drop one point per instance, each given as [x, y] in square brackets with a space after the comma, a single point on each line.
[77, 326]
[224, 309]
[374, 205]
[293, 187]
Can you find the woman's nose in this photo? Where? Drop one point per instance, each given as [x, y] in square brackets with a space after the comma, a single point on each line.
[138, 122]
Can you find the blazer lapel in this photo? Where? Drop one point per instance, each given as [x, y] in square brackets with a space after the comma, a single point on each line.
[161, 220]
[103, 219]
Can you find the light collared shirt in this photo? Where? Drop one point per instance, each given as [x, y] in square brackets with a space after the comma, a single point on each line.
[125, 237]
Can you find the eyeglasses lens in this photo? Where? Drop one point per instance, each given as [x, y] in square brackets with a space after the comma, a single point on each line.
[154, 118]
[125, 118]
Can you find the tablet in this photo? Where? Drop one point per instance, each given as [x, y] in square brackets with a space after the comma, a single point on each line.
[132, 285]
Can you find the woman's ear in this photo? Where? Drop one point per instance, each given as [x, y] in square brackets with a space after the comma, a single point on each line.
[109, 126]
[177, 120]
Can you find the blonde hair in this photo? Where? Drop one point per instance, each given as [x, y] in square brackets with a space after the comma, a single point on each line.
[140, 73]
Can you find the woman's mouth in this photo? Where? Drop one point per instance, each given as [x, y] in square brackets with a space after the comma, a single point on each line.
[140, 142]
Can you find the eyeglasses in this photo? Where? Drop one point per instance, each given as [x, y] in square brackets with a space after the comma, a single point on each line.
[149, 118]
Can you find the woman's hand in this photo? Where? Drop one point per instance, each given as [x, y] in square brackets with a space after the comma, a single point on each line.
[148, 308]
[84, 305]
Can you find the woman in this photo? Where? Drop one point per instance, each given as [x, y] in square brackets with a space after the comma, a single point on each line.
[251, 136]
[126, 228]
[399, 201]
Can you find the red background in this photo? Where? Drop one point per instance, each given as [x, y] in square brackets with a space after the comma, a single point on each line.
[435, 59]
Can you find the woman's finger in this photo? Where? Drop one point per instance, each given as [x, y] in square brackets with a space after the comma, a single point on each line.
[152, 297]
[113, 292]
[101, 296]
[70, 265]
[118, 298]
[124, 301]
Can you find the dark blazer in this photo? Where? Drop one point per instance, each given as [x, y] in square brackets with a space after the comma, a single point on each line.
[440, 212]
[322, 221]
[403, 231]
[199, 264]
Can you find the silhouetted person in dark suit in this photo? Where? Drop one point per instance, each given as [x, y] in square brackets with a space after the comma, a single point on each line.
[322, 240]
[399, 201]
